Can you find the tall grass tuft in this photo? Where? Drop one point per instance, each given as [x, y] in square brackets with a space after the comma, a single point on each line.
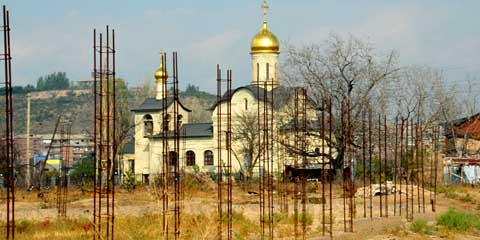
[459, 221]
[421, 226]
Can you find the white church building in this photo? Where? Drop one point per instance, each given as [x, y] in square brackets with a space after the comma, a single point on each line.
[199, 141]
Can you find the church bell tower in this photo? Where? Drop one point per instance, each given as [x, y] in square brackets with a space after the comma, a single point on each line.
[265, 49]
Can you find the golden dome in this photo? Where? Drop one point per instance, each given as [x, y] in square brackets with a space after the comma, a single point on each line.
[161, 74]
[265, 42]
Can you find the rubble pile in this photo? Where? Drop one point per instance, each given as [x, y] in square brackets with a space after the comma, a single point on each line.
[390, 188]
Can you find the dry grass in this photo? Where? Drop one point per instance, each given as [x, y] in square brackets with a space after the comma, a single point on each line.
[138, 216]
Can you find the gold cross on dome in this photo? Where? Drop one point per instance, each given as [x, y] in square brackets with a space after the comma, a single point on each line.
[161, 56]
[265, 7]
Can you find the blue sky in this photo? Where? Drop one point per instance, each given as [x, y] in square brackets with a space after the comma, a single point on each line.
[56, 35]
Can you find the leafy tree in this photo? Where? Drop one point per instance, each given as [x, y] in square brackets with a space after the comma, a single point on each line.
[53, 81]
[83, 168]
[124, 117]
[194, 91]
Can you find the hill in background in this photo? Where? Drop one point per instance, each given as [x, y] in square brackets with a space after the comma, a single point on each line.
[77, 105]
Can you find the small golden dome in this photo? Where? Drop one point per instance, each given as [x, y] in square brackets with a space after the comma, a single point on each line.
[161, 74]
[265, 42]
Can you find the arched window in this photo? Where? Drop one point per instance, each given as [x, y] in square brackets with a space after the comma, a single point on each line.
[166, 122]
[208, 158]
[190, 158]
[172, 158]
[179, 119]
[147, 125]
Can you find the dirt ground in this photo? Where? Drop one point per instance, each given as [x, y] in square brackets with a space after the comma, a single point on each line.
[41, 206]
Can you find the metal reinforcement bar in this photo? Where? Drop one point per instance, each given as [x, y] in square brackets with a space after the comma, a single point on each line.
[273, 138]
[224, 152]
[380, 162]
[350, 182]
[323, 138]
[8, 152]
[266, 143]
[104, 134]
[395, 168]
[261, 153]
[400, 168]
[364, 166]
[176, 142]
[59, 184]
[370, 160]
[62, 187]
[385, 164]
[297, 145]
[330, 138]
[166, 118]
[422, 163]
[436, 132]
[171, 170]
[407, 173]
[344, 193]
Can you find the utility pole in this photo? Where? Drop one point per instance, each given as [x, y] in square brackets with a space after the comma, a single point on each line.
[27, 155]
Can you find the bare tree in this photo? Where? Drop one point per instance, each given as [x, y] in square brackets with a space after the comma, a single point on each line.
[341, 69]
[245, 136]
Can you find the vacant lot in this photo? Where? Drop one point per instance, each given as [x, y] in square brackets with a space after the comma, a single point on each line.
[138, 215]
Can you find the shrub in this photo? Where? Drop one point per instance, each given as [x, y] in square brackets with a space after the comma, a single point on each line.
[24, 226]
[466, 198]
[308, 218]
[421, 226]
[280, 218]
[130, 181]
[459, 221]
[196, 168]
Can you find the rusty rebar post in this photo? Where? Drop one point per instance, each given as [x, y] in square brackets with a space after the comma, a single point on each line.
[261, 153]
[323, 165]
[436, 150]
[412, 150]
[330, 133]
[303, 150]
[370, 160]
[8, 138]
[380, 162]
[229, 154]
[68, 148]
[410, 159]
[268, 146]
[219, 156]
[417, 170]
[104, 136]
[385, 165]
[395, 169]
[59, 184]
[400, 164]
[62, 187]
[176, 142]
[364, 164]
[344, 192]
[165, 153]
[422, 163]
[295, 162]
[224, 135]
[407, 175]
[350, 176]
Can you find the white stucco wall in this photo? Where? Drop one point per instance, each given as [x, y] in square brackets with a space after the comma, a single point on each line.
[262, 59]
